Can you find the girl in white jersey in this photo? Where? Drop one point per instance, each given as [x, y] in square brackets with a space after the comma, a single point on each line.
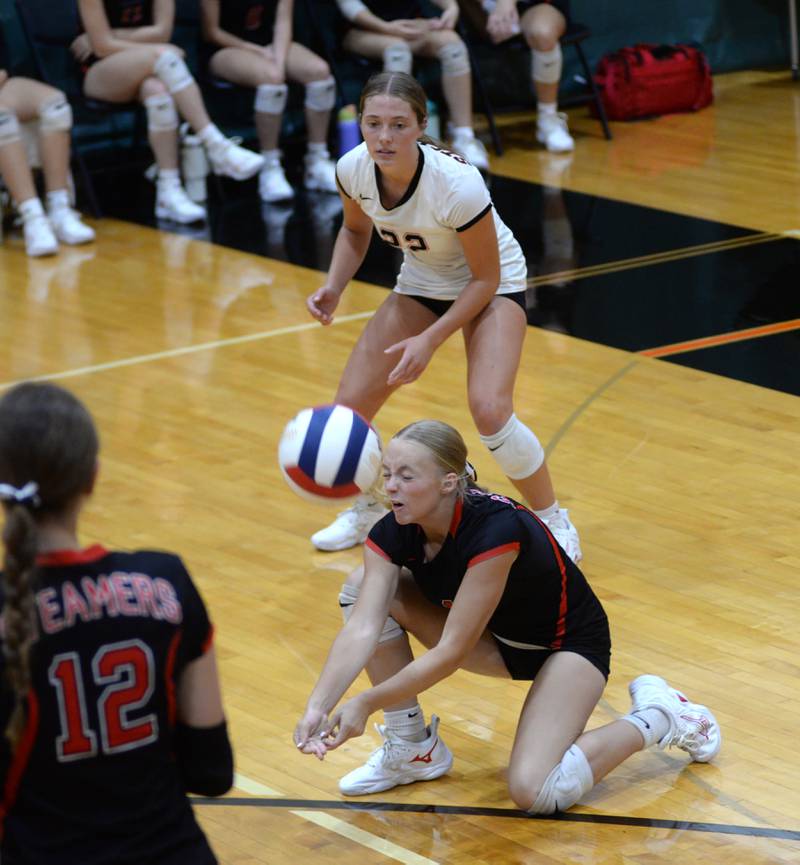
[462, 270]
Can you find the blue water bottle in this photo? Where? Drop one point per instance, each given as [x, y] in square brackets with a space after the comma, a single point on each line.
[433, 128]
[349, 133]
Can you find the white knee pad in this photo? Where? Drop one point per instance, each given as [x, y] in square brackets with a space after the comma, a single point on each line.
[517, 450]
[454, 59]
[397, 57]
[546, 65]
[271, 98]
[347, 598]
[171, 69]
[565, 785]
[161, 113]
[321, 95]
[9, 127]
[55, 116]
[351, 8]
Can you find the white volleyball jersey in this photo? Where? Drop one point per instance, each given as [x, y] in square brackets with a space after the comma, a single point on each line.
[446, 196]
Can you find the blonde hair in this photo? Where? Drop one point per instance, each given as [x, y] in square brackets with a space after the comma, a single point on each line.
[446, 446]
[402, 86]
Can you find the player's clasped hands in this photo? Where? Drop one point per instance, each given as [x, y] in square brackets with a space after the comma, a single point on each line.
[317, 734]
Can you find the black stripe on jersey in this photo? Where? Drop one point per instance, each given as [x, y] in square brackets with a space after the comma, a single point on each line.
[477, 218]
[412, 187]
[341, 188]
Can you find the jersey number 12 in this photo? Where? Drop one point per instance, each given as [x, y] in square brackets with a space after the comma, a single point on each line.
[127, 672]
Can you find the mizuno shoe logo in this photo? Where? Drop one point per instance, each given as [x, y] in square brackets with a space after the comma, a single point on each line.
[425, 758]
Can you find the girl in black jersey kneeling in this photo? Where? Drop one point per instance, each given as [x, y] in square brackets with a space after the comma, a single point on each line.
[109, 695]
[481, 582]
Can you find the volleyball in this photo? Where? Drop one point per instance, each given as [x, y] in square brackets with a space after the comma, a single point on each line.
[329, 452]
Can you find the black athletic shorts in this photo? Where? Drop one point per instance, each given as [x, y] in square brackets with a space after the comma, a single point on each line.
[561, 5]
[440, 307]
[524, 664]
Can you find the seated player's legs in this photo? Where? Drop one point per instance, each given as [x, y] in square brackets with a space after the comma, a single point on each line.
[447, 47]
[543, 25]
[44, 114]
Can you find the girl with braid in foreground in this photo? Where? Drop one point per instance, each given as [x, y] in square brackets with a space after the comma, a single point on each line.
[109, 695]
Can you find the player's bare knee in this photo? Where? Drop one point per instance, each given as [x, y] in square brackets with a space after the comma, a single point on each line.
[151, 86]
[490, 413]
[542, 37]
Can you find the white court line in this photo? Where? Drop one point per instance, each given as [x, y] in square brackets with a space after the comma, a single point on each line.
[189, 349]
[380, 845]
[340, 827]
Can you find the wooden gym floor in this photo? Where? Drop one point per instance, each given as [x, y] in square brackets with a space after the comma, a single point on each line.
[681, 476]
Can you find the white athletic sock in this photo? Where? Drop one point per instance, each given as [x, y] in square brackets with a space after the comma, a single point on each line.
[271, 154]
[653, 724]
[408, 724]
[211, 136]
[30, 208]
[317, 148]
[546, 513]
[546, 108]
[463, 132]
[168, 177]
[58, 199]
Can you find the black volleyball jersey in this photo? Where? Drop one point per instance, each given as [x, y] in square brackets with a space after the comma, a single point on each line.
[129, 13]
[546, 603]
[3, 53]
[253, 20]
[93, 778]
[393, 10]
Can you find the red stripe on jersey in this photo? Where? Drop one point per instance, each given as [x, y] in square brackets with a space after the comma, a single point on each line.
[209, 640]
[20, 759]
[561, 623]
[305, 483]
[456, 521]
[376, 549]
[493, 553]
[72, 557]
[169, 677]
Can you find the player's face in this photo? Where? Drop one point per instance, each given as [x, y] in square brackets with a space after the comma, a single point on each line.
[390, 129]
[418, 490]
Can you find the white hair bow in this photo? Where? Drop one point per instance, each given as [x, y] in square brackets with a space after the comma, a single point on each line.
[27, 495]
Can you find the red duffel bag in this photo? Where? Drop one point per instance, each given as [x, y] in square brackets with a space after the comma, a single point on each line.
[648, 80]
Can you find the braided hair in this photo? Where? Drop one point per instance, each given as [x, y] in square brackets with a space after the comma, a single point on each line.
[48, 454]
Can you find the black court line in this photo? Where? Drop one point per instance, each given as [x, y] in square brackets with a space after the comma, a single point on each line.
[468, 811]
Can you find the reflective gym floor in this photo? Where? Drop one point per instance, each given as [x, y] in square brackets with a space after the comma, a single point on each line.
[661, 370]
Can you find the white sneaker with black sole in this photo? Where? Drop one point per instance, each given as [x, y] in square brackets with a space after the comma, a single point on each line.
[398, 762]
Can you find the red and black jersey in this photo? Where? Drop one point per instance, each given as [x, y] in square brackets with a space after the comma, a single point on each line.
[252, 20]
[547, 602]
[129, 13]
[93, 778]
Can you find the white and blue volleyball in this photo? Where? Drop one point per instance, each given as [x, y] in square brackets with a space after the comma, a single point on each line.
[329, 452]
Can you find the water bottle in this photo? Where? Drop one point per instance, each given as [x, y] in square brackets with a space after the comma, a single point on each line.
[194, 165]
[349, 133]
[434, 128]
